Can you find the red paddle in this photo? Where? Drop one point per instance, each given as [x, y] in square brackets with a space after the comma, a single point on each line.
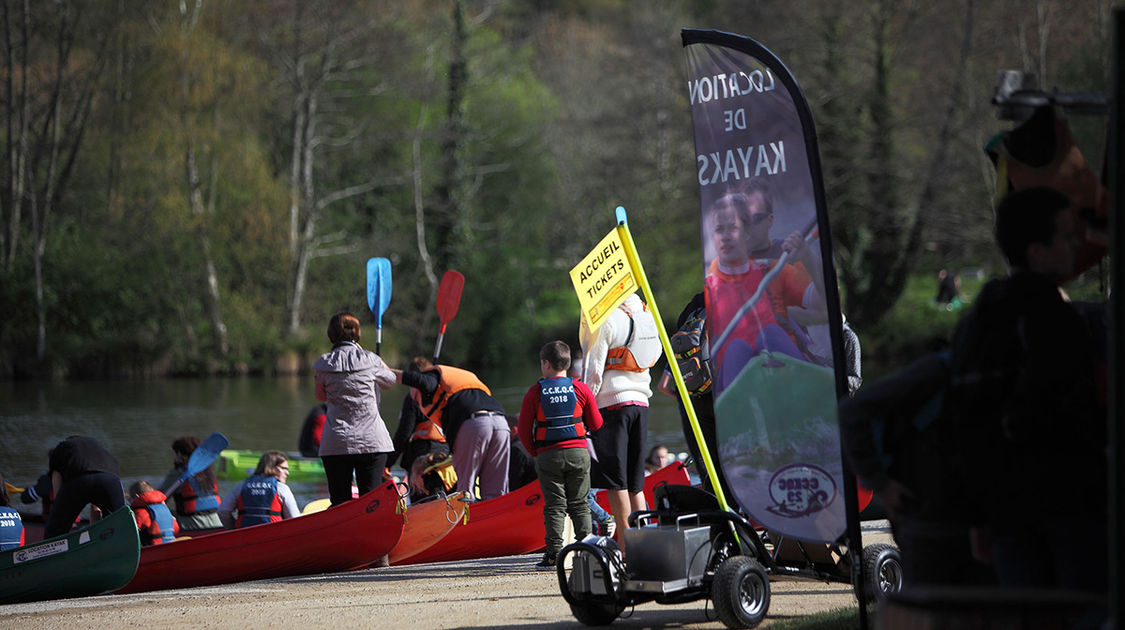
[448, 299]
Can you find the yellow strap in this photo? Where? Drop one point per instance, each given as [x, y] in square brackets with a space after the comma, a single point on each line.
[1001, 179]
[12, 489]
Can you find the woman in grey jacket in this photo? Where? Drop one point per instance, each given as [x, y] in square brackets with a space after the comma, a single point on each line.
[355, 439]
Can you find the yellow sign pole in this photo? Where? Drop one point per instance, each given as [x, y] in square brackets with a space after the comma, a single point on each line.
[673, 365]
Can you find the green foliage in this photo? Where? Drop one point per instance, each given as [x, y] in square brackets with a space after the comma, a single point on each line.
[839, 619]
[569, 109]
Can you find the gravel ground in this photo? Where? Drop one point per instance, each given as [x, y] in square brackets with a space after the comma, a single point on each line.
[492, 593]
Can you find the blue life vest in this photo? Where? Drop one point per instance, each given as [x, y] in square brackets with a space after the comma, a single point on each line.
[258, 502]
[194, 497]
[11, 528]
[558, 404]
[162, 529]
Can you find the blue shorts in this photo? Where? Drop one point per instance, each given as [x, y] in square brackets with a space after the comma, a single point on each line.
[619, 445]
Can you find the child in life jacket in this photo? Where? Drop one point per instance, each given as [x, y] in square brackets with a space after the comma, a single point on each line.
[155, 522]
[11, 525]
[556, 414]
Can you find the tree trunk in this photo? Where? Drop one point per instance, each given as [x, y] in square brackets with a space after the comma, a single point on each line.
[452, 225]
[18, 116]
[212, 296]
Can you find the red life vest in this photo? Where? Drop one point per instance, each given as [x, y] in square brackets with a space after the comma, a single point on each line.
[155, 523]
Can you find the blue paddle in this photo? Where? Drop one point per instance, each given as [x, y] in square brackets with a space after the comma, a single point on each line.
[378, 293]
[202, 457]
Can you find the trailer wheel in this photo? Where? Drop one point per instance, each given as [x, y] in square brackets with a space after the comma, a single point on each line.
[741, 592]
[882, 570]
[595, 614]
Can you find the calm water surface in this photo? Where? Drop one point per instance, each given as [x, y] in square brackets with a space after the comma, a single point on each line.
[137, 420]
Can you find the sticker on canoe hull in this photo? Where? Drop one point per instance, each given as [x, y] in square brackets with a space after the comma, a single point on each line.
[41, 551]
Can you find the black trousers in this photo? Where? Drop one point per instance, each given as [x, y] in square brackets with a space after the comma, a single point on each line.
[368, 469]
[101, 489]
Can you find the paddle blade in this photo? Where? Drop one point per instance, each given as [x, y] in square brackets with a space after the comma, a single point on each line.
[378, 287]
[204, 454]
[449, 295]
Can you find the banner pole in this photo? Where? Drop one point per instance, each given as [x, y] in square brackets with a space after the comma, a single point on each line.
[673, 365]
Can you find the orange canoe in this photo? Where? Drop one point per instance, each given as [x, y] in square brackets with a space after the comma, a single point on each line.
[427, 524]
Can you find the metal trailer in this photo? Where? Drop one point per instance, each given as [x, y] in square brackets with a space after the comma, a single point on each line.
[691, 550]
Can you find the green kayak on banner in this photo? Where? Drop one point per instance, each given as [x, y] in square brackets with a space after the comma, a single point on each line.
[779, 446]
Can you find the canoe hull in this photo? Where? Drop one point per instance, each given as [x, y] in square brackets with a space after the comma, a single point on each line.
[427, 524]
[513, 524]
[95, 559]
[344, 537]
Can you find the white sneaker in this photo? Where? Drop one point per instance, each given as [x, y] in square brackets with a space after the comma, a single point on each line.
[610, 526]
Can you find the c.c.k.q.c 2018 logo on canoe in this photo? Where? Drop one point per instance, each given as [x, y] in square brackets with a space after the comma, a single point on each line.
[800, 490]
[372, 506]
[107, 533]
[532, 500]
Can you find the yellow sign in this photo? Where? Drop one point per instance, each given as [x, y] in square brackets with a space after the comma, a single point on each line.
[603, 279]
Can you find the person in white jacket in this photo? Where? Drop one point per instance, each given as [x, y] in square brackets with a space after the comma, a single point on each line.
[618, 357]
[355, 439]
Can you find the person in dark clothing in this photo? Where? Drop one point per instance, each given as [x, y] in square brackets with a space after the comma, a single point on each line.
[896, 436]
[949, 287]
[312, 430]
[415, 436]
[82, 472]
[704, 404]
[1025, 408]
[521, 465]
[463, 409]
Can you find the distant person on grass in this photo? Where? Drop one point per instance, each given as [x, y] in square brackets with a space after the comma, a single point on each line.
[556, 415]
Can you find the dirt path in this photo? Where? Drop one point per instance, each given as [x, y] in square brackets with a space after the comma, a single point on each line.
[491, 593]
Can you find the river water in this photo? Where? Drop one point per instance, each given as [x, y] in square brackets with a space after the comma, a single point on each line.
[137, 420]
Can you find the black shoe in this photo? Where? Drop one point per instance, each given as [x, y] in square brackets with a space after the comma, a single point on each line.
[547, 563]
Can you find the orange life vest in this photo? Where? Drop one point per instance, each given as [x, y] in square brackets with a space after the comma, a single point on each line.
[425, 429]
[623, 358]
[451, 380]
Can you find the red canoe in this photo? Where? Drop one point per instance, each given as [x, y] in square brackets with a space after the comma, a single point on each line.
[675, 474]
[513, 524]
[505, 526]
[340, 538]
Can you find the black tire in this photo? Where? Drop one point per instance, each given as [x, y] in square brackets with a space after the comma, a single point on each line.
[882, 570]
[741, 592]
[595, 614]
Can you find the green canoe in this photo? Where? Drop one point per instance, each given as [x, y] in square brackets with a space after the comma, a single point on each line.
[236, 465]
[96, 559]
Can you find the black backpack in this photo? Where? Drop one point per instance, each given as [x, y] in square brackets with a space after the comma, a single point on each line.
[689, 345]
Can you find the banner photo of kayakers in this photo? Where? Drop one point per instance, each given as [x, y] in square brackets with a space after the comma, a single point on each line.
[761, 198]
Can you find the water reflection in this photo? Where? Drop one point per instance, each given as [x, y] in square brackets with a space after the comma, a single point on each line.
[137, 420]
